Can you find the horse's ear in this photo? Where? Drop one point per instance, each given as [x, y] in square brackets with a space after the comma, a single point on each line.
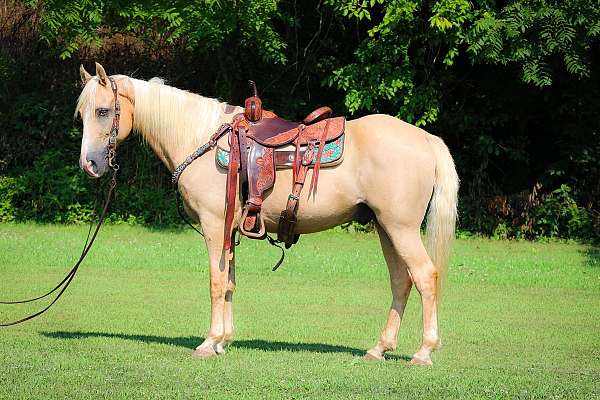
[101, 74]
[85, 76]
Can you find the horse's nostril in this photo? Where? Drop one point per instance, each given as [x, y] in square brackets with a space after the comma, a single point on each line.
[94, 166]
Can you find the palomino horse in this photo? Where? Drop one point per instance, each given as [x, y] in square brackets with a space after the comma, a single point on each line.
[391, 169]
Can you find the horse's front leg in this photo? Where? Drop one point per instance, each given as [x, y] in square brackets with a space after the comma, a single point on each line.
[221, 291]
[228, 307]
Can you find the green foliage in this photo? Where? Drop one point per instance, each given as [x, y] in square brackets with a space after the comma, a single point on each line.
[403, 62]
[512, 87]
[5, 68]
[8, 189]
[558, 215]
[535, 35]
[193, 24]
[501, 232]
[534, 215]
[385, 75]
[50, 191]
[58, 192]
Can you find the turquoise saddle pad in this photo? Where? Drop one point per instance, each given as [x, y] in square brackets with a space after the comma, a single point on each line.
[332, 154]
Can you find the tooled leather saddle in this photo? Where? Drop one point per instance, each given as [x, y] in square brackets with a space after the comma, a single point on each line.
[257, 141]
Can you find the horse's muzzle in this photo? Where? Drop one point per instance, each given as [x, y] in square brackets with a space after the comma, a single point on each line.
[89, 167]
[94, 163]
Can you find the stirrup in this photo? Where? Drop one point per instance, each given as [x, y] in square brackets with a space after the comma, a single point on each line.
[262, 232]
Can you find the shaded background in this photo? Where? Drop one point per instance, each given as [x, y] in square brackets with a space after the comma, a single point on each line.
[511, 86]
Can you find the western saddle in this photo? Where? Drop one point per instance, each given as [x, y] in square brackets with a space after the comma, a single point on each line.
[254, 137]
[259, 142]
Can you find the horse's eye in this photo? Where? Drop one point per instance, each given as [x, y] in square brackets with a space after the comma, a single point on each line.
[102, 112]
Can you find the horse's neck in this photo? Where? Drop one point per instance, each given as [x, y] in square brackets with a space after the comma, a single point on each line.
[175, 122]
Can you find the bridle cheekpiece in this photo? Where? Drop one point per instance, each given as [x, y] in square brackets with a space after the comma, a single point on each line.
[111, 150]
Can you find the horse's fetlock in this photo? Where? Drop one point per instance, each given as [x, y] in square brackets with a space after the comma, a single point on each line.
[432, 342]
[215, 336]
[228, 338]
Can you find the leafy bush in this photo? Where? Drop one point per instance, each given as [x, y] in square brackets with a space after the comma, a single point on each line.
[52, 190]
[533, 215]
[8, 189]
[558, 215]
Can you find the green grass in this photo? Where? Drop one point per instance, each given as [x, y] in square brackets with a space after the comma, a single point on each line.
[518, 320]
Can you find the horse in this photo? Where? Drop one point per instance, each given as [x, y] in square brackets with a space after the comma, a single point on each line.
[392, 171]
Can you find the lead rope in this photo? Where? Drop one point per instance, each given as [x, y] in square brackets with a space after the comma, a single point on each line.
[69, 278]
[64, 284]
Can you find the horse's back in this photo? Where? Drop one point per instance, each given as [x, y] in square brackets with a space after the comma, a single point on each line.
[384, 129]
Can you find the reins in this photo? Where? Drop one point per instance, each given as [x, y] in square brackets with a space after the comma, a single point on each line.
[64, 284]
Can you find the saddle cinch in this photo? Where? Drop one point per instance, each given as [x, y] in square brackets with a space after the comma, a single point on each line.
[260, 142]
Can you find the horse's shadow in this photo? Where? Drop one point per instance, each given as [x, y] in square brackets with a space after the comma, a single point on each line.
[190, 342]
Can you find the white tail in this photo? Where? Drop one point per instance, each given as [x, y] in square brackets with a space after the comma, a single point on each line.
[442, 214]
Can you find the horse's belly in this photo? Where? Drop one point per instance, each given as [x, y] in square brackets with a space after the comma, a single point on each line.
[335, 201]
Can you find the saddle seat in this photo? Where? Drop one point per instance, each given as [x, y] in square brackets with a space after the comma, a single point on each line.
[255, 135]
[273, 131]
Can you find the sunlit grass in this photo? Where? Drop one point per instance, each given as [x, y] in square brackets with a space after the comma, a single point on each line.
[518, 320]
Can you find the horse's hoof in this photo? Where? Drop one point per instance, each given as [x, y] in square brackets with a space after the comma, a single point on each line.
[204, 352]
[421, 361]
[373, 357]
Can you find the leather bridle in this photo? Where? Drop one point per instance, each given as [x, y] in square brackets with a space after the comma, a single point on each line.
[111, 149]
[111, 153]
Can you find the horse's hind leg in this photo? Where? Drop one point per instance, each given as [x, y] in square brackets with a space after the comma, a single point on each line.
[401, 284]
[409, 247]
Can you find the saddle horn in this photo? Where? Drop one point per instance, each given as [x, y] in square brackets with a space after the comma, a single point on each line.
[253, 105]
[252, 85]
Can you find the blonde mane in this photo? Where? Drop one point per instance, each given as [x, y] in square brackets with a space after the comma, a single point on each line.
[163, 114]
[174, 117]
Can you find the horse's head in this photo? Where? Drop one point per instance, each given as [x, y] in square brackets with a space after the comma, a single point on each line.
[96, 105]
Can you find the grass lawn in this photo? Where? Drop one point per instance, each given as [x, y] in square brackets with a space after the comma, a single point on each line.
[518, 320]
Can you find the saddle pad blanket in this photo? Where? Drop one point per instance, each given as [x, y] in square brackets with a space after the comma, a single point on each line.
[284, 157]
